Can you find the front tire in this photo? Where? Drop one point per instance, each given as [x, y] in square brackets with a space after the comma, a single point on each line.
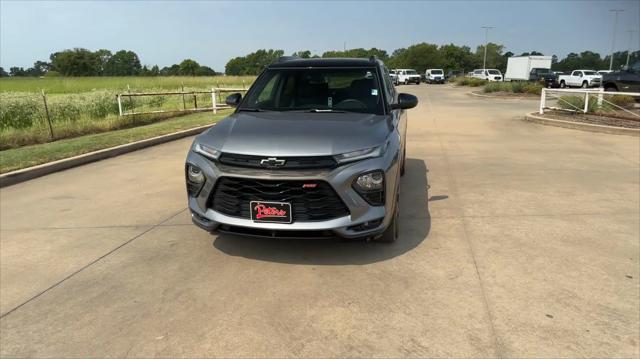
[585, 84]
[391, 233]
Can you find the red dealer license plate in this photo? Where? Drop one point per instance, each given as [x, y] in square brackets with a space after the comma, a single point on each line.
[276, 212]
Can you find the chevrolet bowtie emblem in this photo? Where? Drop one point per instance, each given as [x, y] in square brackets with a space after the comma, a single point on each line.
[272, 162]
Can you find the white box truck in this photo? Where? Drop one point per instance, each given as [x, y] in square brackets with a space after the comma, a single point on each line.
[519, 67]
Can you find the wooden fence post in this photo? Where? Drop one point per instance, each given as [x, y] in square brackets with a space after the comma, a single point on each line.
[184, 104]
[46, 111]
[213, 101]
[120, 105]
[195, 100]
[130, 98]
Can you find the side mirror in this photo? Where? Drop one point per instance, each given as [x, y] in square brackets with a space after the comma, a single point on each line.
[234, 99]
[405, 101]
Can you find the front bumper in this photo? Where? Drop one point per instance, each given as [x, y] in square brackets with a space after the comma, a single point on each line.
[438, 80]
[340, 179]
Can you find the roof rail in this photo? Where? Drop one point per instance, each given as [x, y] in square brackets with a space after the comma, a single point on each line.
[286, 58]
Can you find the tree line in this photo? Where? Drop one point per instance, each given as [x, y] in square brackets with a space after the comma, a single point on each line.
[83, 62]
[424, 55]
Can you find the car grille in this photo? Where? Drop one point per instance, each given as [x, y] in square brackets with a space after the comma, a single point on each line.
[311, 162]
[317, 201]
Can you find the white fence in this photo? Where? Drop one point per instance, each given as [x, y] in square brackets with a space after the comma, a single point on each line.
[591, 99]
[216, 101]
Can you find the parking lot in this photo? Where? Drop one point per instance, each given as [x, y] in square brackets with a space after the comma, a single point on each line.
[516, 240]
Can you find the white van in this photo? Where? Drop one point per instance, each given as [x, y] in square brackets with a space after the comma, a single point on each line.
[488, 74]
[434, 76]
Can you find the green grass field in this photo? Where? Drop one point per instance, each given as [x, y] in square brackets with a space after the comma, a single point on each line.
[88, 105]
[67, 85]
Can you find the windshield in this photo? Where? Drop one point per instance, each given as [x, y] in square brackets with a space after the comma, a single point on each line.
[494, 72]
[589, 72]
[328, 89]
[436, 72]
[411, 72]
[543, 71]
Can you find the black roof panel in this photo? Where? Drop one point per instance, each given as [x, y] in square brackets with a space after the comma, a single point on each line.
[324, 62]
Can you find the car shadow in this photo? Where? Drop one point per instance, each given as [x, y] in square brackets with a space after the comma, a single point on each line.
[415, 223]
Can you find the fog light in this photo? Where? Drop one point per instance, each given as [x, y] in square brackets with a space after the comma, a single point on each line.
[195, 180]
[372, 181]
[195, 175]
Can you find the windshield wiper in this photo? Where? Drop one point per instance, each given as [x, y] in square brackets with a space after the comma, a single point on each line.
[320, 110]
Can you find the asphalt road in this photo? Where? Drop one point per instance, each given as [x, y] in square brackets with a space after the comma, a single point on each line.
[525, 245]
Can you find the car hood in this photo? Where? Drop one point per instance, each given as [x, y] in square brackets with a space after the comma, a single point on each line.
[296, 134]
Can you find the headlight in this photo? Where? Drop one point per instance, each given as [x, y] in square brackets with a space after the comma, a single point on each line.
[372, 181]
[361, 154]
[370, 186]
[206, 151]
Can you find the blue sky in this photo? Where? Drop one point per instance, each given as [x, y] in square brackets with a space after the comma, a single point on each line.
[165, 32]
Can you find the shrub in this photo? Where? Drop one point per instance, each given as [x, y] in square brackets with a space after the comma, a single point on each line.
[469, 81]
[621, 100]
[576, 103]
[513, 87]
[20, 111]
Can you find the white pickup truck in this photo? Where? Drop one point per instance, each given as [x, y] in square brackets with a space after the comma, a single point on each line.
[580, 78]
[407, 76]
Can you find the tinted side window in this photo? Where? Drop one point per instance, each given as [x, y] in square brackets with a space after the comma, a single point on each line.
[389, 90]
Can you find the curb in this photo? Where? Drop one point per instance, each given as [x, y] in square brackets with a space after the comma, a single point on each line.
[582, 126]
[25, 174]
[503, 97]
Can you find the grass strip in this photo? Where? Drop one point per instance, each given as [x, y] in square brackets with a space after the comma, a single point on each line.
[23, 157]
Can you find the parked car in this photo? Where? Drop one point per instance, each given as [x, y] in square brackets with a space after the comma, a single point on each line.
[602, 72]
[519, 68]
[434, 76]
[452, 74]
[580, 78]
[407, 76]
[394, 77]
[488, 74]
[545, 76]
[626, 80]
[315, 149]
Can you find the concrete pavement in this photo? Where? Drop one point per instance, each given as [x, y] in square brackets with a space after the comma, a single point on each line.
[525, 245]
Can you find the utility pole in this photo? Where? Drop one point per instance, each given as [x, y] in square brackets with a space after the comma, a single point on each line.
[344, 46]
[486, 42]
[629, 48]
[613, 37]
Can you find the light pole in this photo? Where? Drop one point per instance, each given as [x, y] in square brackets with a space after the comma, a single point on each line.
[613, 38]
[486, 41]
[629, 48]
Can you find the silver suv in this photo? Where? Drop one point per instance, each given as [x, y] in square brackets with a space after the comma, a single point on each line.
[315, 149]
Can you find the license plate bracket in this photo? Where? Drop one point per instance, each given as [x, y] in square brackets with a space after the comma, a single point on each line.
[270, 212]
